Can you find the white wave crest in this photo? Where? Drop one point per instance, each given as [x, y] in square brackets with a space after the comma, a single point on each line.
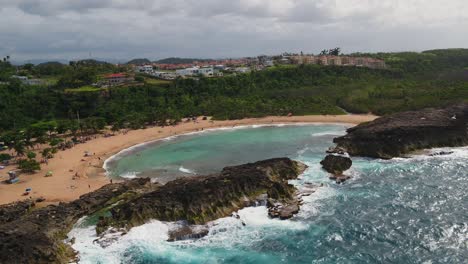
[184, 170]
[129, 175]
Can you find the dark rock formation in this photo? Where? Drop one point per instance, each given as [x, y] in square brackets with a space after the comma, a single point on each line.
[14, 211]
[186, 232]
[201, 199]
[30, 235]
[36, 236]
[441, 153]
[398, 134]
[336, 164]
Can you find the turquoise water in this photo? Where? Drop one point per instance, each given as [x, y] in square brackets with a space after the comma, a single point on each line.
[397, 211]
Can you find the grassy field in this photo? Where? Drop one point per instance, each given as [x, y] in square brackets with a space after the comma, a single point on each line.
[156, 81]
[86, 88]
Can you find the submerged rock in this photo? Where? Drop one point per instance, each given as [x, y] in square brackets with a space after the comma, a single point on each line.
[441, 153]
[401, 133]
[186, 232]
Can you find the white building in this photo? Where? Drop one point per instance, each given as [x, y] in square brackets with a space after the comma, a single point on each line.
[145, 69]
[242, 69]
[206, 71]
[165, 75]
[26, 81]
[269, 63]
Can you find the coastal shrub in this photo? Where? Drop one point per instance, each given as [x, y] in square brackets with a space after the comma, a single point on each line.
[31, 155]
[47, 153]
[5, 156]
[55, 141]
[29, 165]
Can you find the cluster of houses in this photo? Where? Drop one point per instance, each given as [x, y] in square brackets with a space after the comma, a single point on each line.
[203, 64]
[193, 70]
[217, 68]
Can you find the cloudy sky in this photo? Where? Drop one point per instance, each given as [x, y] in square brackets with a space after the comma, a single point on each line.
[122, 29]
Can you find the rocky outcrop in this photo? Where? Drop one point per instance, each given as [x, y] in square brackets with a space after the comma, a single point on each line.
[36, 235]
[336, 165]
[201, 199]
[13, 211]
[401, 133]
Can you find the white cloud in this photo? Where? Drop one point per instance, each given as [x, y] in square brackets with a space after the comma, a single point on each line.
[213, 28]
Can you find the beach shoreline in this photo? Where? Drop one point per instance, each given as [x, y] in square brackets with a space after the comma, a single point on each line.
[75, 175]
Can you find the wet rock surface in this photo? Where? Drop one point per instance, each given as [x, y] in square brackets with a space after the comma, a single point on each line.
[401, 133]
[186, 232]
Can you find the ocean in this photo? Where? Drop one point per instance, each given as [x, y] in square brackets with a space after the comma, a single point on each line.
[411, 210]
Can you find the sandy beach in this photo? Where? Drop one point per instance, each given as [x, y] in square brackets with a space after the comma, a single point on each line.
[63, 186]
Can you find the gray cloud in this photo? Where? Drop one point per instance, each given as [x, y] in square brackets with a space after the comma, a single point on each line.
[225, 28]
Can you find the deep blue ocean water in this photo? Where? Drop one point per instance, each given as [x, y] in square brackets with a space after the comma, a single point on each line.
[392, 211]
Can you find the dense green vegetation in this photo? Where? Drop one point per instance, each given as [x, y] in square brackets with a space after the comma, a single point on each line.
[139, 61]
[414, 80]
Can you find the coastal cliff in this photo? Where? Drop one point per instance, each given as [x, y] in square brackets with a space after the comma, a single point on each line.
[30, 235]
[399, 134]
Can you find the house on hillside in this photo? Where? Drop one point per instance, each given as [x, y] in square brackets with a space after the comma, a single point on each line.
[117, 79]
[26, 81]
[148, 69]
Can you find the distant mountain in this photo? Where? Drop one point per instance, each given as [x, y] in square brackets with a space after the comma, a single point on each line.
[36, 61]
[50, 63]
[180, 60]
[139, 61]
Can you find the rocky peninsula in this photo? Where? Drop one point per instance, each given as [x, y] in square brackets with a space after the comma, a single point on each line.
[399, 134]
[36, 235]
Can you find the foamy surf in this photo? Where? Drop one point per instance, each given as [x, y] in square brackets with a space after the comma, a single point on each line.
[252, 226]
[329, 133]
[129, 175]
[184, 170]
